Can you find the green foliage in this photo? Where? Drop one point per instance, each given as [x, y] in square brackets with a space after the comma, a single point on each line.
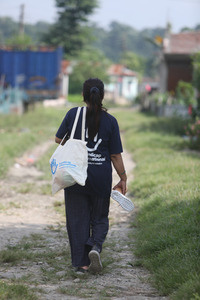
[186, 29]
[69, 30]
[8, 28]
[19, 41]
[123, 39]
[196, 79]
[75, 98]
[193, 132]
[91, 63]
[152, 66]
[120, 38]
[196, 70]
[36, 31]
[185, 93]
[196, 28]
[133, 62]
[167, 189]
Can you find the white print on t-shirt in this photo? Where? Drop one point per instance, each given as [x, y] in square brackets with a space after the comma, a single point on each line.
[95, 147]
[95, 140]
[94, 159]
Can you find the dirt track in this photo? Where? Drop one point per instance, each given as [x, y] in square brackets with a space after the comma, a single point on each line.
[22, 214]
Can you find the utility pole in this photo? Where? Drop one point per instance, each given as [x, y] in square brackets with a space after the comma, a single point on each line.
[21, 19]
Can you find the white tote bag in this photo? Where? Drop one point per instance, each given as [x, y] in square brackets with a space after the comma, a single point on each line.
[69, 162]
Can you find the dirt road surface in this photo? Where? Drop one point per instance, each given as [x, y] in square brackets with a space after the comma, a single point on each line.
[24, 211]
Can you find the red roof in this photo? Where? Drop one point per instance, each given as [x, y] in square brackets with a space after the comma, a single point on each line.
[120, 70]
[182, 43]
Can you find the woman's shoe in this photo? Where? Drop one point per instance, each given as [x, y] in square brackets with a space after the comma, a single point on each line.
[80, 270]
[95, 266]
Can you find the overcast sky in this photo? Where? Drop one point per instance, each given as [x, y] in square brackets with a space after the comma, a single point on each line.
[139, 14]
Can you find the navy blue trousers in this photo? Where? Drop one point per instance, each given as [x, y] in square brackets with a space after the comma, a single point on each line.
[87, 224]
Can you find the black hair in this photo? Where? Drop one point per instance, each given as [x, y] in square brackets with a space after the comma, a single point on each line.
[93, 94]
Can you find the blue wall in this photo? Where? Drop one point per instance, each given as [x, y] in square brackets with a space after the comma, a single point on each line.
[31, 69]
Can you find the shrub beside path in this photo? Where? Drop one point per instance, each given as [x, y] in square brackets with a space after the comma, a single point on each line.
[27, 211]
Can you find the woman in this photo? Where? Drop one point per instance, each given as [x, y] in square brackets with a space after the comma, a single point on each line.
[87, 207]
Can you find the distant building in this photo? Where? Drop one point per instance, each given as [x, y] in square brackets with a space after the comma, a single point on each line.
[176, 62]
[66, 70]
[148, 85]
[123, 84]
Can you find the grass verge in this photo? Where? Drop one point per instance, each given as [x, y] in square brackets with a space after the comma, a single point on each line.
[20, 133]
[167, 190]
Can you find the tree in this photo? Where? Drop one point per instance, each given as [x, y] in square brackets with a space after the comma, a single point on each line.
[91, 63]
[121, 39]
[8, 28]
[36, 31]
[196, 76]
[133, 61]
[185, 92]
[70, 31]
[19, 41]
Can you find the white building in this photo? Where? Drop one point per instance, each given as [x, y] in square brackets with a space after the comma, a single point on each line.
[123, 83]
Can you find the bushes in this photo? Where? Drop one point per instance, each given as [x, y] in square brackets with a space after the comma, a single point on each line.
[193, 132]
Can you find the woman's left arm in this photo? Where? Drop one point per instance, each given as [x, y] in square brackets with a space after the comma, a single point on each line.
[119, 167]
[57, 140]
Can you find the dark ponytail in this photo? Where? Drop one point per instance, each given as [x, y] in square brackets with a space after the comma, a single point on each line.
[93, 94]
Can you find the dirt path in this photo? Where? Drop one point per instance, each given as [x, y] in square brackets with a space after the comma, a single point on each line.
[24, 211]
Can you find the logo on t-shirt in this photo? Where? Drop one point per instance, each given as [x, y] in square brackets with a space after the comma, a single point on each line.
[95, 158]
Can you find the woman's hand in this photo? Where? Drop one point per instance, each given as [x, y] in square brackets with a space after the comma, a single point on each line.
[122, 186]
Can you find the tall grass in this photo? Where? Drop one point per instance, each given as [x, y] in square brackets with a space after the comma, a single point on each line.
[167, 190]
[19, 133]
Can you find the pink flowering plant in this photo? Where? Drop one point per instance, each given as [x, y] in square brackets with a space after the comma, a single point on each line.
[193, 132]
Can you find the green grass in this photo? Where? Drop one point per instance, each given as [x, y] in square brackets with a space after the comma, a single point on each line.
[167, 190]
[43, 163]
[36, 250]
[76, 99]
[14, 255]
[59, 207]
[15, 292]
[20, 133]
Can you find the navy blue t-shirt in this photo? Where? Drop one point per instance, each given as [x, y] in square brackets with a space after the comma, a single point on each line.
[106, 142]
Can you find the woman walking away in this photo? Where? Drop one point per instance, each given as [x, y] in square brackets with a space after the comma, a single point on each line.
[87, 207]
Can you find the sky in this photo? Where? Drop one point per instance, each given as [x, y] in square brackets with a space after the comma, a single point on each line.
[138, 14]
